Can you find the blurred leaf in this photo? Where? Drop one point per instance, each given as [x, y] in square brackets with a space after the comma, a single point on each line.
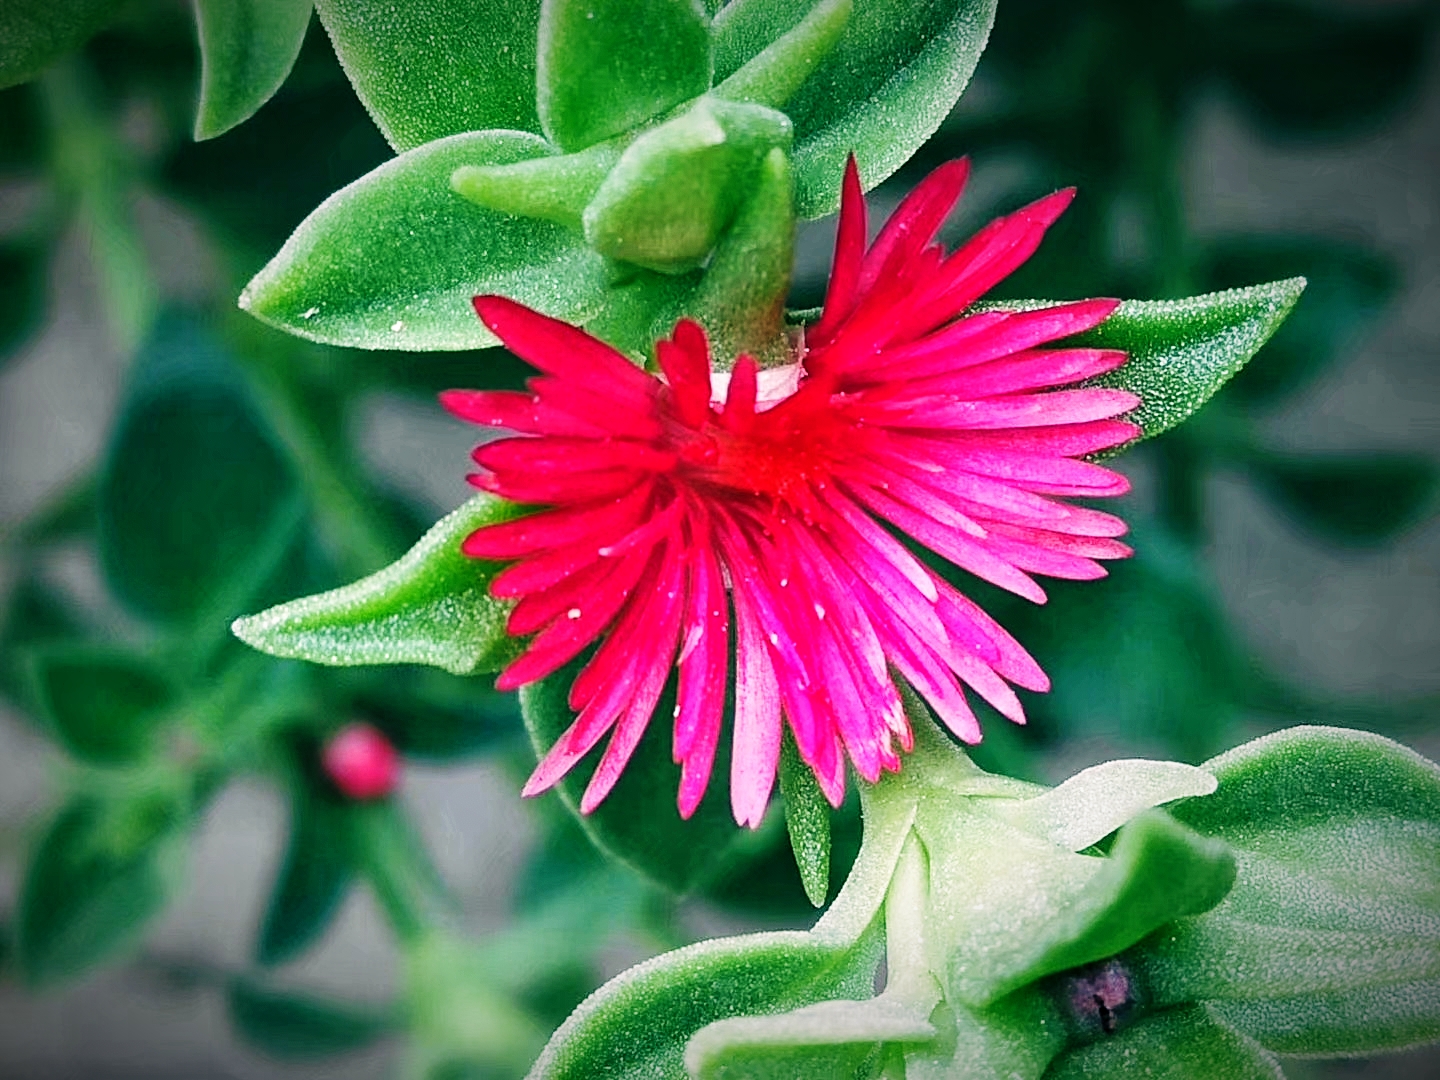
[1329, 943]
[638, 1023]
[393, 260]
[193, 488]
[1182, 351]
[638, 823]
[96, 876]
[1350, 498]
[34, 33]
[439, 68]
[1183, 1044]
[892, 78]
[36, 615]
[312, 881]
[105, 705]
[299, 1027]
[431, 606]
[68, 515]
[1347, 287]
[247, 48]
[1306, 68]
[22, 293]
[606, 66]
[807, 820]
[437, 717]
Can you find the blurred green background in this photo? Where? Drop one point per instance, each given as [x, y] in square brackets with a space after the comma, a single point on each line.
[189, 878]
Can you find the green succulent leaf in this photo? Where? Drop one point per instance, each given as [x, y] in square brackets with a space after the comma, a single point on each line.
[638, 822]
[830, 1038]
[34, 33]
[773, 75]
[606, 66]
[104, 705]
[1184, 1044]
[197, 504]
[426, 71]
[393, 260]
[1350, 498]
[1329, 943]
[807, 819]
[638, 1024]
[247, 48]
[313, 879]
[291, 1026]
[431, 606]
[881, 91]
[102, 870]
[678, 186]
[1348, 288]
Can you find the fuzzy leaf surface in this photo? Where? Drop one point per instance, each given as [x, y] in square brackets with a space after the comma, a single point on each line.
[1329, 942]
[33, 33]
[393, 260]
[1185, 1044]
[247, 48]
[425, 71]
[894, 75]
[431, 606]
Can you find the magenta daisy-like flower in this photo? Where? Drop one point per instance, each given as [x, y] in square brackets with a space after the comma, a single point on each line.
[705, 521]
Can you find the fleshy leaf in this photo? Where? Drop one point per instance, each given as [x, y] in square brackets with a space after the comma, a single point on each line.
[830, 1038]
[247, 48]
[807, 819]
[392, 260]
[430, 606]
[1329, 942]
[677, 187]
[1350, 498]
[104, 705]
[1185, 1044]
[96, 876]
[606, 66]
[1182, 351]
[197, 504]
[292, 1026]
[638, 1023]
[885, 87]
[312, 880]
[428, 70]
[1093, 803]
[638, 822]
[773, 75]
[33, 33]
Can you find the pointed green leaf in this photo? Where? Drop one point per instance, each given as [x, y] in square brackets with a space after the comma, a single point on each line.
[881, 91]
[97, 875]
[1157, 871]
[1350, 498]
[606, 66]
[807, 819]
[432, 606]
[773, 75]
[638, 1023]
[553, 188]
[677, 187]
[312, 880]
[247, 48]
[104, 705]
[1329, 942]
[638, 822]
[1182, 351]
[196, 501]
[428, 70]
[1186, 1044]
[393, 260]
[34, 33]
[1093, 803]
[830, 1038]
[298, 1027]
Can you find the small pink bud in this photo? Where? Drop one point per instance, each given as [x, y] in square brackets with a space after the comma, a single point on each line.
[361, 762]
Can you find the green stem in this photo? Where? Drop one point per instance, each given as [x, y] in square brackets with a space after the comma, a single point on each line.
[406, 884]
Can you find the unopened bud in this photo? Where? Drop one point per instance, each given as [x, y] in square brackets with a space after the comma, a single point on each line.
[362, 762]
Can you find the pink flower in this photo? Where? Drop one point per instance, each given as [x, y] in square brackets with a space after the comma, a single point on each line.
[676, 499]
[361, 762]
